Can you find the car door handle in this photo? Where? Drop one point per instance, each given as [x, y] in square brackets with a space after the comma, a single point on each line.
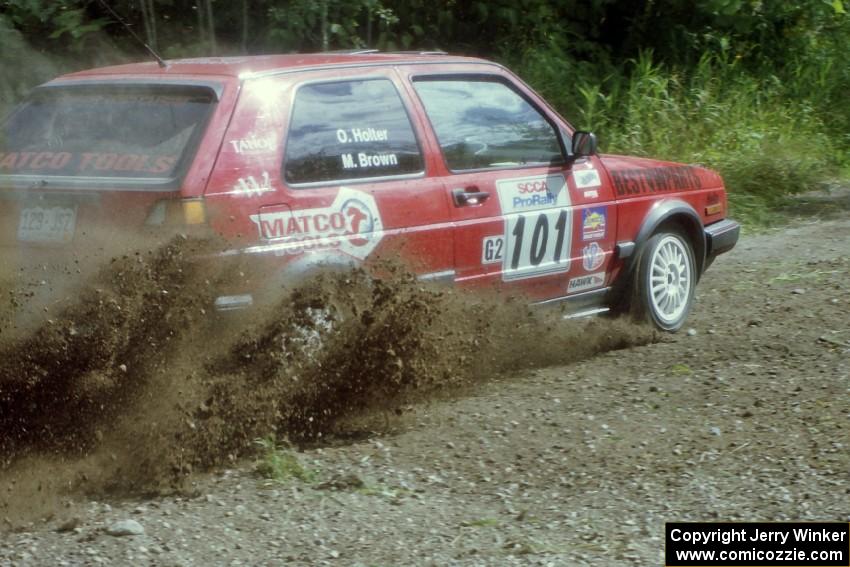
[469, 197]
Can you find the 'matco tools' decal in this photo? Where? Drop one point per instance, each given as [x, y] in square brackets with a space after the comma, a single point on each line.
[23, 162]
[655, 180]
[351, 224]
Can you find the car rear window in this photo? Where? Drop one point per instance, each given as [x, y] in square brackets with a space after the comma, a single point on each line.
[484, 123]
[143, 133]
[349, 130]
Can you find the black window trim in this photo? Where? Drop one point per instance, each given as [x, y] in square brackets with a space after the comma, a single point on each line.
[490, 77]
[357, 180]
[19, 181]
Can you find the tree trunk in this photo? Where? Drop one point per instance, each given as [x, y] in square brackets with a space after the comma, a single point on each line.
[325, 43]
[369, 25]
[244, 26]
[211, 29]
[199, 8]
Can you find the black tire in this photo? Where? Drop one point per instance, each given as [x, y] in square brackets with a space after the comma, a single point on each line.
[667, 262]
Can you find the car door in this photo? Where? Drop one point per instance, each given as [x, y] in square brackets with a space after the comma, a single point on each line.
[350, 182]
[525, 217]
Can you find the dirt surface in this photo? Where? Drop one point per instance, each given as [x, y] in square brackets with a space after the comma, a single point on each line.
[523, 458]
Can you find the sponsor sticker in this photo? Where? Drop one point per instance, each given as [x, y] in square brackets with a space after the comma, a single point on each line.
[254, 144]
[24, 162]
[592, 256]
[655, 180]
[524, 194]
[593, 194]
[250, 185]
[586, 178]
[538, 225]
[351, 224]
[589, 281]
[593, 221]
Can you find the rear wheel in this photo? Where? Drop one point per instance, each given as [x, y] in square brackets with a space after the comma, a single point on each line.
[665, 280]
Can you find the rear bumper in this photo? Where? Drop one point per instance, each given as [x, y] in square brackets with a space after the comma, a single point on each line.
[721, 237]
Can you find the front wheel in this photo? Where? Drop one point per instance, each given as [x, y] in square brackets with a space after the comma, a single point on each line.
[665, 279]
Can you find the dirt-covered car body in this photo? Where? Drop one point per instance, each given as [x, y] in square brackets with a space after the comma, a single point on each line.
[452, 164]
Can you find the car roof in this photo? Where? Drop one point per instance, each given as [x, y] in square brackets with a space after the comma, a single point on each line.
[259, 65]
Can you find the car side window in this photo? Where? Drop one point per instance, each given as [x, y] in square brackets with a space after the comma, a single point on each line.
[347, 130]
[484, 123]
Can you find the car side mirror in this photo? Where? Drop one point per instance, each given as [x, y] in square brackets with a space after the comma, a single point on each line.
[584, 144]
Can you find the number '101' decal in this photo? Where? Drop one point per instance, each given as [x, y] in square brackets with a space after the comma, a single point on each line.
[537, 243]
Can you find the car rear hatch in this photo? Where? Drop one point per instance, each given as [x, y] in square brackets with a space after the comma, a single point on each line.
[96, 162]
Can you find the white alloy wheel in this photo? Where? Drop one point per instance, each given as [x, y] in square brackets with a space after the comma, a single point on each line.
[671, 279]
[666, 280]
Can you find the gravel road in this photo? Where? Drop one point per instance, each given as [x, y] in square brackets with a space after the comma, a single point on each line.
[743, 416]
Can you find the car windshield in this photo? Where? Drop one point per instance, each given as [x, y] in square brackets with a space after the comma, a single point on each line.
[127, 132]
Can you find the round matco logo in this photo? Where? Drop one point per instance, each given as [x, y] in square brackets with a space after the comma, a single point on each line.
[359, 221]
[363, 226]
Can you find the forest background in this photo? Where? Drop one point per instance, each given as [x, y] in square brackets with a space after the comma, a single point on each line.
[758, 89]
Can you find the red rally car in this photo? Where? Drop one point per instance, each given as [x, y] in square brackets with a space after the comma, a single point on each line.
[305, 161]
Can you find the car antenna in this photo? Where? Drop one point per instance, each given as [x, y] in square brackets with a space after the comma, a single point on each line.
[129, 28]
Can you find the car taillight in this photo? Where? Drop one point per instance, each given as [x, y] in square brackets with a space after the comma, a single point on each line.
[178, 212]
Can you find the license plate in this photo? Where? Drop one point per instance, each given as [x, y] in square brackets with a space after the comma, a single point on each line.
[47, 224]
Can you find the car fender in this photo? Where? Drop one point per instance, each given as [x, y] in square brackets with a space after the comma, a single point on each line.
[662, 212]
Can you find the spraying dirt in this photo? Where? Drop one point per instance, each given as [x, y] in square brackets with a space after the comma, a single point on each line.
[344, 344]
[743, 418]
[134, 384]
[81, 367]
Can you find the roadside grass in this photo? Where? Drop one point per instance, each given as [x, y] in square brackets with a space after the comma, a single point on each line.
[280, 463]
[760, 133]
[389, 492]
[815, 276]
[681, 370]
[757, 215]
[720, 117]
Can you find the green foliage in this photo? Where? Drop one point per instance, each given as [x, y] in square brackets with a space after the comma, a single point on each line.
[766, 144]
[281, 463]
[754, 89]
[17, 79]
[681, 370]
[55, 20]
